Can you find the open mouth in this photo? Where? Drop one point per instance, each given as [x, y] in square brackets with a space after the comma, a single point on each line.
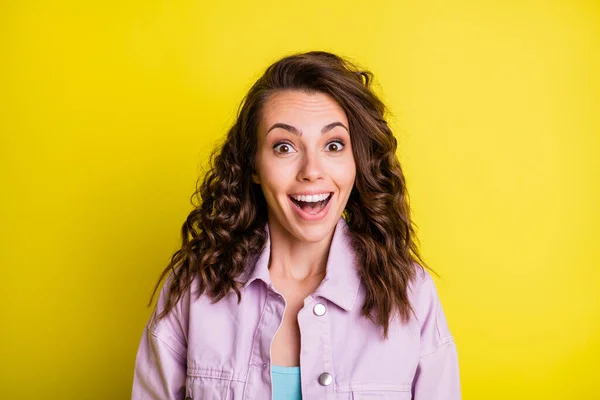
[312, 207]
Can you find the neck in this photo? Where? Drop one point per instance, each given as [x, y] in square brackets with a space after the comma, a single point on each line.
[295, 259]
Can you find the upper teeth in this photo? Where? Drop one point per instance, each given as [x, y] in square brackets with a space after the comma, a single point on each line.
[313, 198]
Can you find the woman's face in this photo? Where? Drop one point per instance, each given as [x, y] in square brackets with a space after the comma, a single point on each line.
[304, 148]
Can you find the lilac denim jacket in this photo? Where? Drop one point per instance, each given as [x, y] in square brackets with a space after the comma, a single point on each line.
[205, 351]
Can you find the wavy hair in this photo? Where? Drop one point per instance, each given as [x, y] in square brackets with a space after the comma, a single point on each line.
[226, 228]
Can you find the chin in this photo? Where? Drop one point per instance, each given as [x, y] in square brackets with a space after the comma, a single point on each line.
[316, 231]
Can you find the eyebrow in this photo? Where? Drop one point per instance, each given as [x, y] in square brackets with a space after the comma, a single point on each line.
[295, 131]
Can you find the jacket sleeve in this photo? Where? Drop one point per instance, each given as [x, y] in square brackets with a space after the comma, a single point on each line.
[437, 374]
[161, 361]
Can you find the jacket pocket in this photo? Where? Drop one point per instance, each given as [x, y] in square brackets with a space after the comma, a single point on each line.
[380, 392]
[207, 388]
[381, 395]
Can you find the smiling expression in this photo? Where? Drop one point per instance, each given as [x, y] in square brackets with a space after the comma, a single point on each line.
[304, 148]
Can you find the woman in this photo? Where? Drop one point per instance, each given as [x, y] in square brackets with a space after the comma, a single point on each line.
[299, 276]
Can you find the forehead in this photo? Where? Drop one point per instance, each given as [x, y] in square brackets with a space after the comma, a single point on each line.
[300, 107]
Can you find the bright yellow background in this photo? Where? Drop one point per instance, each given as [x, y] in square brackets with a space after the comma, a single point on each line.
[108, 112]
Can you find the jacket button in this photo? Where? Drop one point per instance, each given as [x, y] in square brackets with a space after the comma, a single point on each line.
[319, 309]
[325, 379]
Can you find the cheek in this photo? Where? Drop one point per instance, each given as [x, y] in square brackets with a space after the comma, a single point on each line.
[274, 180]
[344, 174]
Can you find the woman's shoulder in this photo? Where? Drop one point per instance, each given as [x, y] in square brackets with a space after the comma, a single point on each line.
[170, 316]
[422, 293]
[428, 310]
[422, 282]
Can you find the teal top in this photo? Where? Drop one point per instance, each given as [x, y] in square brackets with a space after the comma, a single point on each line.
[286, 383]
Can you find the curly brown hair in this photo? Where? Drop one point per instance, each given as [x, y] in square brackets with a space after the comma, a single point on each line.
[226, 229]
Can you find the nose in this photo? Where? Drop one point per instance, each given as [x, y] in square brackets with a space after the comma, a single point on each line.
[310, 168]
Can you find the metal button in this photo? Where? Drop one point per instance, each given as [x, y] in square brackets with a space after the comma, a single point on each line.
[319, 309]
[325, 379]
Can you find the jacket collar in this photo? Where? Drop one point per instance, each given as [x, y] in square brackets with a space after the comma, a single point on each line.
[342, 279]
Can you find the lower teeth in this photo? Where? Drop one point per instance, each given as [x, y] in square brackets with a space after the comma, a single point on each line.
[312, 208]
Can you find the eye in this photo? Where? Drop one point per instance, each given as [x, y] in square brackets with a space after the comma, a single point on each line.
[334, 142]
[285, 146]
